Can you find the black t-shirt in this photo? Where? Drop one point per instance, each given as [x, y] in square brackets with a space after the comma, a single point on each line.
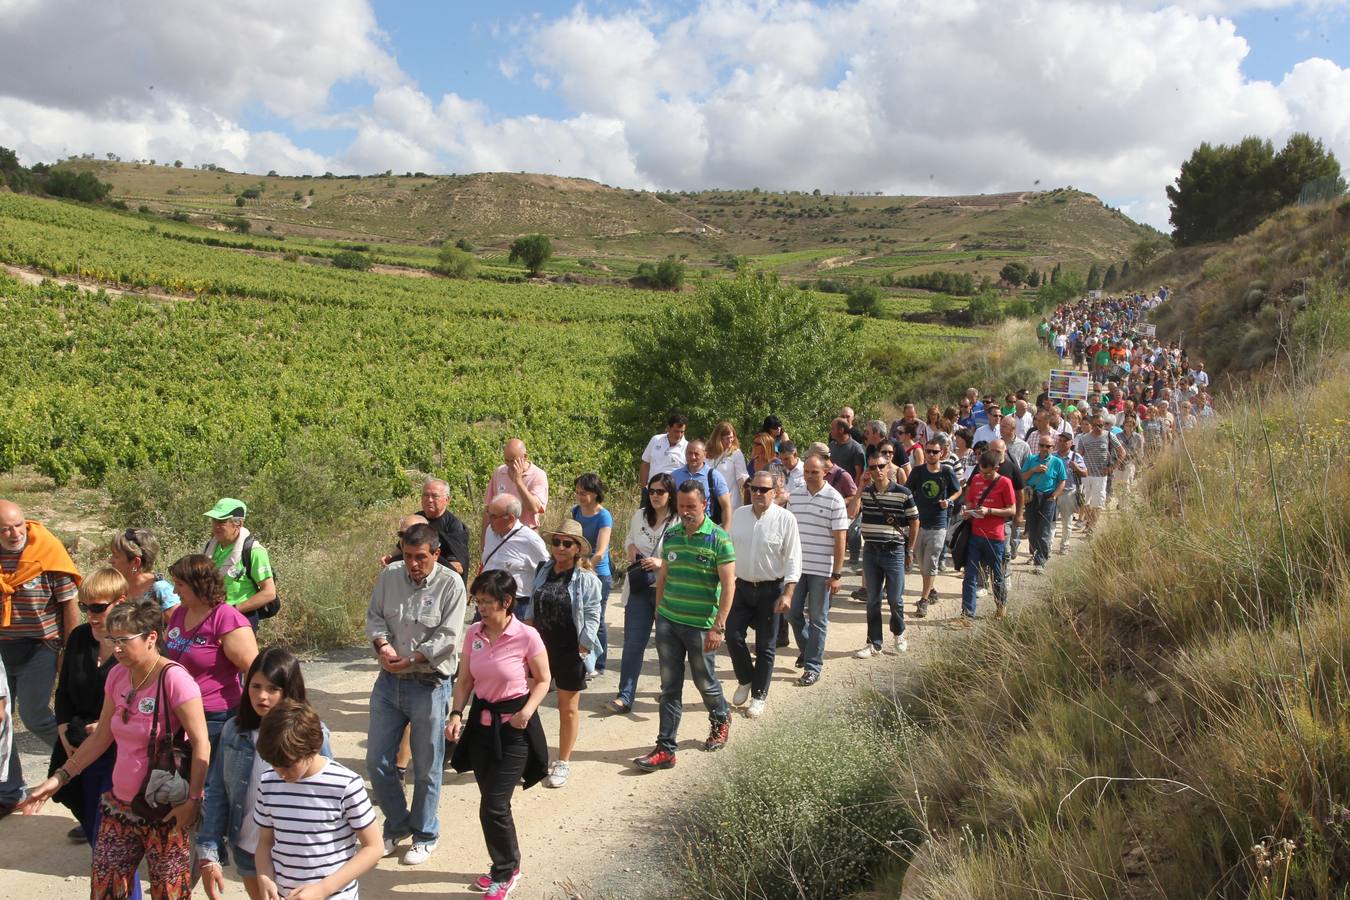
[454, 536]
[930, 487]
[849, 456]
[1010, 469]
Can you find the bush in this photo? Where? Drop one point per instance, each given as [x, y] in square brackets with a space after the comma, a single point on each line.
[463, 244]
[811, 811]
[533, 251]
[667, 275]
[986, 308]
[864, 301]
[772, 348]
[455, 263]
[350, 259]
[82, 186]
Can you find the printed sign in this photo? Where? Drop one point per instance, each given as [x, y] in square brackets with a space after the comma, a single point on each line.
[1068, 384]
[1147, 329]
[1095, 295]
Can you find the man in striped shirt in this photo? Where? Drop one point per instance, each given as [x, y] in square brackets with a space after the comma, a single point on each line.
[822, 523]
[694, 593]
[317, 831]
[890, 527]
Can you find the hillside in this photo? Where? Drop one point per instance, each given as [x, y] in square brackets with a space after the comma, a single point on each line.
[794, 233]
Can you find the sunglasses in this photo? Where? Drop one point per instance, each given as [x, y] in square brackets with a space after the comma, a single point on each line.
[564, 543]
[95, 608]
[879, 467]
[759, 489]
[657, 492]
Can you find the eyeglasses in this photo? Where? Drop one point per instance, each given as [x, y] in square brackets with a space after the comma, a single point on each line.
[657, 492]
[95, 608]
[123, 640]
[879, 467]
[1047, 445]
[564, 543]
[759, 489]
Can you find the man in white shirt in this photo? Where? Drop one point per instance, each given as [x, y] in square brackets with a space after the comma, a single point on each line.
[768, 564]
[665, 452]
[986, 433]
[822, 523]
[792, 466]
[512, 547]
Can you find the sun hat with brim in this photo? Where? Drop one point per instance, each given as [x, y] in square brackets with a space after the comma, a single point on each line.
[227, 508]
[571, 528]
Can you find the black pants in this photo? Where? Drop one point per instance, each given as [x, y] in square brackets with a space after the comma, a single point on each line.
[754, 606]
[497, 779]
[1040, 525]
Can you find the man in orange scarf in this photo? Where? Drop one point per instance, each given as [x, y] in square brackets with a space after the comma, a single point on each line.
[38, 609]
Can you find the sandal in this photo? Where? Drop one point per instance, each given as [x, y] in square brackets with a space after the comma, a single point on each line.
[618, 706]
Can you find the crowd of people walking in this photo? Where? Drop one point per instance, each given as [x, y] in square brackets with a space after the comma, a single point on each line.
[177, 740]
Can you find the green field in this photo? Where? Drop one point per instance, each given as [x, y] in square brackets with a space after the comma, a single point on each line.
[272, 358]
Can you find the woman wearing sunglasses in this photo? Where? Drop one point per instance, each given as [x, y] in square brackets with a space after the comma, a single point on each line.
[131, 705]
[646, 531]
[79, 698]
[565, 607]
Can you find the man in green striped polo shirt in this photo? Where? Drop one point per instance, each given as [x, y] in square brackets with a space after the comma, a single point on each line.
[693, 598]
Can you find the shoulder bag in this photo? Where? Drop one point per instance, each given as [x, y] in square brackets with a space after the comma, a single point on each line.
[170, 763]
[960, 541]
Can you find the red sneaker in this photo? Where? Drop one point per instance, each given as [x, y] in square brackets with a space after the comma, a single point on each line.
[659, 758]
[485, 881]
[717, 736]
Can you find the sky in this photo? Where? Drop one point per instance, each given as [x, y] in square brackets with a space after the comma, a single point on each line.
[901, 96]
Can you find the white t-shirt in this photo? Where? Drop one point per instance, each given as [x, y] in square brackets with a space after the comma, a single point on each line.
[248, 826]
[731, 466]
[818, 517]
[519, 557]
[314, 824]
[986, 433]
[663, 457]
[6, 725]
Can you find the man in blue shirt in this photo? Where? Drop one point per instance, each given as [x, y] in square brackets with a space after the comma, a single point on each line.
[1045, 476]
[714, 485]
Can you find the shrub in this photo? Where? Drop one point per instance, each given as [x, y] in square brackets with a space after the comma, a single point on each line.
[811, 811]
[532, 251]
[463, 244]
[350, 259]
[668, 274]
[81, 186]
[455, 263]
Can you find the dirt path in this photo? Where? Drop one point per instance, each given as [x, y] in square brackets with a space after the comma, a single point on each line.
[86, 286]
[591, 836]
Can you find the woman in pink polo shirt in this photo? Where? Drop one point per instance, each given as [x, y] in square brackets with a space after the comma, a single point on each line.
[505, 667]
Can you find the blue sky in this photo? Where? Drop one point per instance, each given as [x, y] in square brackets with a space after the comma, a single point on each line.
[902, 96]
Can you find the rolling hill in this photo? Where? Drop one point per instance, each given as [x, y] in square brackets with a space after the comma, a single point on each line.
[794, 233]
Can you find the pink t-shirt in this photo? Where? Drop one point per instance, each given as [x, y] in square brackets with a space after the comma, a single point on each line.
[501, 668]
[536, 482]
[200, 652]
[133, 735]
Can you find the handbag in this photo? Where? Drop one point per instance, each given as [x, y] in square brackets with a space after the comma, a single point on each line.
[960, 541]
[640, 579]
[170, 758]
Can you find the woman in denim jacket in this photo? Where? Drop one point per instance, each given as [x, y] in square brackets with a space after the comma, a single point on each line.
[565, 608]
[232, 783]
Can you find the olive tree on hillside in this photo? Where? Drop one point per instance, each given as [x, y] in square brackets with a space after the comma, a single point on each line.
[532, 251]
[742, 348]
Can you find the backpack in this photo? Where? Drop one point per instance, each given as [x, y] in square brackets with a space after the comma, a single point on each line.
[273, 606]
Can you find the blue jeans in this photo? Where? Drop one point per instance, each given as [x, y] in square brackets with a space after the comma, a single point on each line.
[810, 618]
[853, 540]
[394, 703]
[30, 668]
[599, 655]
[638, 617]
[987, 552]
[674, 643]
[884, 567]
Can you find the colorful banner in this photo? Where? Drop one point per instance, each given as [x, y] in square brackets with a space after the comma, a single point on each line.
[1068, 384]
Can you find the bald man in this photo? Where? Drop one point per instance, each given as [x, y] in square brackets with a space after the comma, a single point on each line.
[521, 479]
[38, 610]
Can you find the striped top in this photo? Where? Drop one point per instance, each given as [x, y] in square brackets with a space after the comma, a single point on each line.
[818, 517]
[314, 823]
[693, 589]
[36, 611]
[1099, 452]
[886, 515]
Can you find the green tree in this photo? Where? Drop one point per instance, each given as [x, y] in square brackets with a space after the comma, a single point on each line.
[533, 251]
[864, 300]
[178, 164]
[1054, 274]
[463, 244]
[81, 186]
[667, 275]
[1034, 279]
[350, 259]
[741, 348]
[1014, 274]
[1147, 249]
[1125, 270]
[1094, 278]
[985, 308]
[456, 263]
[1110, 277]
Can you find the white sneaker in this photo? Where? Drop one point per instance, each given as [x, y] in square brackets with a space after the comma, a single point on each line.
[557, 777]
[755, 709]
[981, 592]
[866, 652]
[390, 846]
[742, 694]
[1063, 549]
[419, 853]
[901, 643]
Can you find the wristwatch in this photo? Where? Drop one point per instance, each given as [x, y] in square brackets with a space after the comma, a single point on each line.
[719, 629]
[836, 575]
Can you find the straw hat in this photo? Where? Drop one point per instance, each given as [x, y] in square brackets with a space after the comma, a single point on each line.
[571, 528]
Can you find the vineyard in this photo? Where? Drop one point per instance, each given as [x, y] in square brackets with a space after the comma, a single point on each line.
[269, 359]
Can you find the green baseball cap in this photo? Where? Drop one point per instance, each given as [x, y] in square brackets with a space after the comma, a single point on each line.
[227, 508]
